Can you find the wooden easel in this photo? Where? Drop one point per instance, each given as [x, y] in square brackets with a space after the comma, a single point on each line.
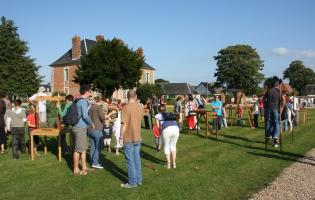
[241, 96]
[211, 116]
[50, 132]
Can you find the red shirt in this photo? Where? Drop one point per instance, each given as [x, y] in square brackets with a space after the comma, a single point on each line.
[31, 119]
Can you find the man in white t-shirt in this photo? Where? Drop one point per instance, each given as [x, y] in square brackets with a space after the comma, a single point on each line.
[41, 106]
[296, 109]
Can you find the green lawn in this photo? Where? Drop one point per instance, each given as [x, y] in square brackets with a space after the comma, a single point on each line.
[233, 167]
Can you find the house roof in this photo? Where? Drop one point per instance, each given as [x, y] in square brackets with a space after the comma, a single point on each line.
[177, 88]
[86, 45]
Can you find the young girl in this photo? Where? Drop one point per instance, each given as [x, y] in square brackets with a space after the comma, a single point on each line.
[107, 133]
[116, 131]
[157, 136]
[31, 127]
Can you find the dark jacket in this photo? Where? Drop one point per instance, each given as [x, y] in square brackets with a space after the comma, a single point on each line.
[2, 112]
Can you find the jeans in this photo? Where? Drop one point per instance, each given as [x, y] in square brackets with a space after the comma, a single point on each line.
[18, 139]
[272, 123]
[295, 118]
[214, 124]
[96, 145]
[133, 161]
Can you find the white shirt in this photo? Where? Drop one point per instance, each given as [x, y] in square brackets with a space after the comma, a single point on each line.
[41, 104]
[295, 103]
[159, 117]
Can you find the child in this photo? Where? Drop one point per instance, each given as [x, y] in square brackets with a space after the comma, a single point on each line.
[116, 131]
[17, 118]
[31, 127]
[224, 116]
[158, 139]
[107, 133]
[256, 114]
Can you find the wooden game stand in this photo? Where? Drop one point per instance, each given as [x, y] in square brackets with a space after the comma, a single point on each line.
[241, 96]
[212, 116]
[46, 132]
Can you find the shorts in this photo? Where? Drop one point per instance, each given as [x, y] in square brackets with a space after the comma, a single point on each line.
[80, 139]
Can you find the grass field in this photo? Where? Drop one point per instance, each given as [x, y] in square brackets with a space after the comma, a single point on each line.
[233, 167]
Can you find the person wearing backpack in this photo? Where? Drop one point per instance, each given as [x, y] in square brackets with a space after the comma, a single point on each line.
[167, 123]
[80, 129]
[67, 128]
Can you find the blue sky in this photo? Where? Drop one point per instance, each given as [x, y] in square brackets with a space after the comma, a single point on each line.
[179, 38]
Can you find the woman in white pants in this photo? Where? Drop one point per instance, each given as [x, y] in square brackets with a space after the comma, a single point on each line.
[170, 133]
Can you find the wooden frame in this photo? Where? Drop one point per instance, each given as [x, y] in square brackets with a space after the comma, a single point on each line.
[241, 96]
[211, 116]
[46, 132]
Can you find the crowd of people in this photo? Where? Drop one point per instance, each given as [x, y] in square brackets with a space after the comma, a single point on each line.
[101, 119]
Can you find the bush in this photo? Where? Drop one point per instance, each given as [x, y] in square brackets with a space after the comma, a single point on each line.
[146, 91]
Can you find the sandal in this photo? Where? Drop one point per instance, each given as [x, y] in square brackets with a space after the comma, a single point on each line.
[83, 172]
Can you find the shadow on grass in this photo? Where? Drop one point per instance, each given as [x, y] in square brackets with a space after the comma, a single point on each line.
[114, 169]
[300, 158]
[149, 146]
[241, 138]
[150, 158]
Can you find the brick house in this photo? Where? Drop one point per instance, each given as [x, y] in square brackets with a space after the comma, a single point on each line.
[63, 69]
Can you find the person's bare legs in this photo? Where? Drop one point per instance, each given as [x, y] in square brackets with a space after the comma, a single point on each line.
[76, 157]
[168, 160]
[83, 160]
[173, 155]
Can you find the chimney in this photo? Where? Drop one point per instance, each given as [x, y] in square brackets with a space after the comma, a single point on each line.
[99, 38]
[76, 47]
[139, 51]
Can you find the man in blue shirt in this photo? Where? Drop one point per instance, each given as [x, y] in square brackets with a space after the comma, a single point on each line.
[80, 131]
[217, 107]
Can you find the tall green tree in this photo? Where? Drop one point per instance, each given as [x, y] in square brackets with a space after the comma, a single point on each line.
[110, 65]
[299, 76]
[239, 67]
[18, 72]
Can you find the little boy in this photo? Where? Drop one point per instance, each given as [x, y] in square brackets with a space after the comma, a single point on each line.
[107, 133]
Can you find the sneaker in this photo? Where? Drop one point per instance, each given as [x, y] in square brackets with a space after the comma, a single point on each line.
[276, 143]
[126, 185]
[98, 166]
[140, 183]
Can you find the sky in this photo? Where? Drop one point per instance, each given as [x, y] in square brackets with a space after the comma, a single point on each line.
[179, 38]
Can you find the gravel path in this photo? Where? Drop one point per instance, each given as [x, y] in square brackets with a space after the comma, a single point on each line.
[296, 182]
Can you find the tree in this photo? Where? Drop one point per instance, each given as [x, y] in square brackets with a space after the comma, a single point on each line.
[239, 67]
[299, 76]
[18, 73]
[109, 66]
[160, 80]
[146, 91]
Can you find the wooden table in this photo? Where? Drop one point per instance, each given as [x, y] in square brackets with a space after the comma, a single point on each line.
[50, 132]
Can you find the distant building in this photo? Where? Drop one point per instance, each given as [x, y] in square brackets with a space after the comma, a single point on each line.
[177, 89]
[310, 90]
[46, 88]
[63, 69]
[205, 88]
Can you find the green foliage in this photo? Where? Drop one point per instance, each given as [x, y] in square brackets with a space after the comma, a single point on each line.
[145, 91]
[56, 93]
[299, 76]
[18, 72]
[239, 67]
[110, 65]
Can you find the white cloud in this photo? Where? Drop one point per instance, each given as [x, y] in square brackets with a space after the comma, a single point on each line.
[306, 53]
[281, 51]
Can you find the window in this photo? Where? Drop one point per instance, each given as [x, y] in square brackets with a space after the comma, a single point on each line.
[147, 77]
[66, 74]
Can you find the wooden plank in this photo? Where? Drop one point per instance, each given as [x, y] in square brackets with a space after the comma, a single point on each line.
[49, 98]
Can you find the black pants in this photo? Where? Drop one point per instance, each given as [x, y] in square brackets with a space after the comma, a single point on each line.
[18, 139]
[256, 120]
[2, 136]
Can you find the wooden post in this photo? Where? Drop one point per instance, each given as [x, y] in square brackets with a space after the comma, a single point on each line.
[45, 144]
[32, 148]
[207, 126]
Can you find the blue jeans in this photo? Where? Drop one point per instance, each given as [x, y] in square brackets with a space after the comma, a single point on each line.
[96, 145]
[214, 123]
[133, 161]
[272, 123]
